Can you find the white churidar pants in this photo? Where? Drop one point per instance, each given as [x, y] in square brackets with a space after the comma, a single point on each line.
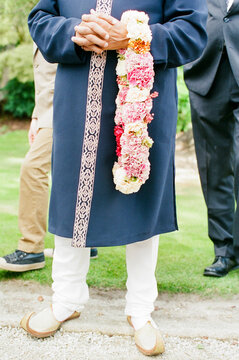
[69, 271]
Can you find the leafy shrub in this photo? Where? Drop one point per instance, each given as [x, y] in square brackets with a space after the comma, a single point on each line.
[13, 21]
[17, 63]
[184, 115]
[18, 98]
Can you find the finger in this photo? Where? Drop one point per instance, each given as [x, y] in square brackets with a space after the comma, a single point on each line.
[86, 48]
[83, 30]
[91, 28]
[94, 48]
[81, 41]
[110, 19]
[96, 41]
[86, 44]
[97, 29]
[95, 19]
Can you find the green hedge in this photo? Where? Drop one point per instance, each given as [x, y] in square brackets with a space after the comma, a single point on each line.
[184, 117]
[16, 62]
[19, 98]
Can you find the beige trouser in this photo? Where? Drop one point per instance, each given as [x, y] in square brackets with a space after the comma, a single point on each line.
[34, 193]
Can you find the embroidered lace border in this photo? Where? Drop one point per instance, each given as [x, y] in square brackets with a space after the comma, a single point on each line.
[91, 140]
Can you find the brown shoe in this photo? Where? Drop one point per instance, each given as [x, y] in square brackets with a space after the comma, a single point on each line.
[148, 339]
[44, 323]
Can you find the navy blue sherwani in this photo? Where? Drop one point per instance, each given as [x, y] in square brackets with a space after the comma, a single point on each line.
[84, 202]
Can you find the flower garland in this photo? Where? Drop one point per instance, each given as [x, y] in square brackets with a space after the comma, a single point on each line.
[135, 77]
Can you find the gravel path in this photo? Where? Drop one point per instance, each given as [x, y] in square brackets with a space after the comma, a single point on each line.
[194, 328]
[16, 345]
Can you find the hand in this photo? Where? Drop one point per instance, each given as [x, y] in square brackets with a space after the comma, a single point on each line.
[99, 32]
[92, 36]
[32, 133]
[116, 30]
[118, 33]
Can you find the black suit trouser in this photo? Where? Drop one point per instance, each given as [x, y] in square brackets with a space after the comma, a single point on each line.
[215, 119]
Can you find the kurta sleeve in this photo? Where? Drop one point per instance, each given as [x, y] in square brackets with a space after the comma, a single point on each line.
[52, 33]
[182, 37]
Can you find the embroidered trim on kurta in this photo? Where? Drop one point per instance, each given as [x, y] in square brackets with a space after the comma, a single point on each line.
[91, 140]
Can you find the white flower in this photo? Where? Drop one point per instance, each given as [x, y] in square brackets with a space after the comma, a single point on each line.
[129, 188]
[119, 174]
[134, 16]
[121, 68]
[117, 101]
[137, 25]
[139, 31]
[137, 127]
[137, 95]
[148, 142]
[123, 183]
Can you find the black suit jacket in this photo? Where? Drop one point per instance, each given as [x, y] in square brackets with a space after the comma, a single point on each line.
[223, 29]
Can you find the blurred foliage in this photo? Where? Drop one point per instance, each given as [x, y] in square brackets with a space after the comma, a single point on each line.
[13, 21]
[16, 74]
[17, 63]
[19, 98]
[184, 115]
[15, 40]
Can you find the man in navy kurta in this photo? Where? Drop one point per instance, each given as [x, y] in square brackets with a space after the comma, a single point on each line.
[84, 203]
[178, 37]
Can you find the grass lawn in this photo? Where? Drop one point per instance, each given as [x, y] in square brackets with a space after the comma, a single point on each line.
[182, 254]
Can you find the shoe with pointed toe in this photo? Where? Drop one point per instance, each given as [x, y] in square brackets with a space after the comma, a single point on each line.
[44, 323]
[148, 339]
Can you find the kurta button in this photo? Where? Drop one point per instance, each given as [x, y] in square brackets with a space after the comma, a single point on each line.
[226, 19]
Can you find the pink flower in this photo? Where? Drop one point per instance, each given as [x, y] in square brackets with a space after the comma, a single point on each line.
[118, 117]
[136, 168]
[149, 104]
[122, 51]
[118, 131]
[134, 60]
[132, 112]
[142, 77]
[154, 94]
[121, 80]
[148, 118]
[122, 94]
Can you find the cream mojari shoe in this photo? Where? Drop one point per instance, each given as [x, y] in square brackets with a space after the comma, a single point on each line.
[44, 323]
[148, 339]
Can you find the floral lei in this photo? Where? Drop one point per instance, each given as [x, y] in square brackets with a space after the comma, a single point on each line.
[135, 77]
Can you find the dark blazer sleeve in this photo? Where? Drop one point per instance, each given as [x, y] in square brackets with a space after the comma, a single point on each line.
[182, 37]
[52, 33]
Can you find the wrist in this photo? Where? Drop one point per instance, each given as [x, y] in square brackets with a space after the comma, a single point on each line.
[125, 43]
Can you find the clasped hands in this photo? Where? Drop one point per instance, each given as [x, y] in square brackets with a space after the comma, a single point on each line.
[99, 32]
